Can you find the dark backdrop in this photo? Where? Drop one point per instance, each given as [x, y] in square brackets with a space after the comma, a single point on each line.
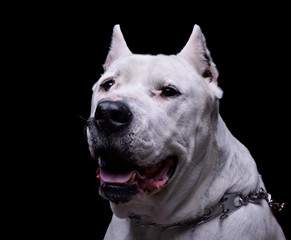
[254, 74]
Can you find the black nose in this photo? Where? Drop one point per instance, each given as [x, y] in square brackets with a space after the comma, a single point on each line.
[112, 116]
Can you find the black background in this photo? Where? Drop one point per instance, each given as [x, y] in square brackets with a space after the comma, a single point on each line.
[253, 63]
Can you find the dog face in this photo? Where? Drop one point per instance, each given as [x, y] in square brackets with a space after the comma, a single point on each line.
[146, 112]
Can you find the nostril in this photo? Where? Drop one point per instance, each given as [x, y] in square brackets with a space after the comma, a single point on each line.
[120, 116]
[98, 113]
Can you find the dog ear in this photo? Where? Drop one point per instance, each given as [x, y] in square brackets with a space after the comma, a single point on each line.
[118, 47]
[197, 53]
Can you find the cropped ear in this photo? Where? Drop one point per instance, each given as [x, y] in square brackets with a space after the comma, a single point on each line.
[118, 47]
[196, 52]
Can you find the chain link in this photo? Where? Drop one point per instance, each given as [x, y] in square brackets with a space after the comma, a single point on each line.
[262, 194]
[275, 206]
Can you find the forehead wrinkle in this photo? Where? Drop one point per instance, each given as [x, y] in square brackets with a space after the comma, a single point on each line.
[164, 73]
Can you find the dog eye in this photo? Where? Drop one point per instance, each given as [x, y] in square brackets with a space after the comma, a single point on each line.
[169, 92]
[107, 85]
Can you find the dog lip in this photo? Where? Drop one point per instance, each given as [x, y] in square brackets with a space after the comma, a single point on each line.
[119, 193]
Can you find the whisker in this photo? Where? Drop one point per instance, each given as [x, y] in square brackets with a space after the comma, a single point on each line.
[85, 119]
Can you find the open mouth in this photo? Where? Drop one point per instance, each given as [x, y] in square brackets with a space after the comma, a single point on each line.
[120, 180]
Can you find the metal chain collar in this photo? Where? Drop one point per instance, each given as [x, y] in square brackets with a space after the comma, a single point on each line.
[262, 194]
[228, 204]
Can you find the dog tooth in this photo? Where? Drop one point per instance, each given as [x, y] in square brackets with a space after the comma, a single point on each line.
[132, 177]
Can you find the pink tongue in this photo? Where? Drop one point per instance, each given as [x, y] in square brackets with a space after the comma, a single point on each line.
[113, 177]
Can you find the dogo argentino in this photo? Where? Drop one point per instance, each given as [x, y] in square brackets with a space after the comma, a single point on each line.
[168, 164]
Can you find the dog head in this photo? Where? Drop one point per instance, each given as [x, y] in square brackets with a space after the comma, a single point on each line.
[149, 116]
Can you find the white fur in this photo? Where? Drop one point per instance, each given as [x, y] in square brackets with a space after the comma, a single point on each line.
[216, 91]
[211, 161]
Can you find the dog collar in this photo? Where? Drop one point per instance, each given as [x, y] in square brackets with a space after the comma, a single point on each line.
[229, 203]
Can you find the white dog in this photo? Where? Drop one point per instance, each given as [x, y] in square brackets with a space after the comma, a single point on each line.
[167, 162]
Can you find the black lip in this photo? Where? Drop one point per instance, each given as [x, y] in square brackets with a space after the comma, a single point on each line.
[118, 193]
[113, 161]
[117, 161]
